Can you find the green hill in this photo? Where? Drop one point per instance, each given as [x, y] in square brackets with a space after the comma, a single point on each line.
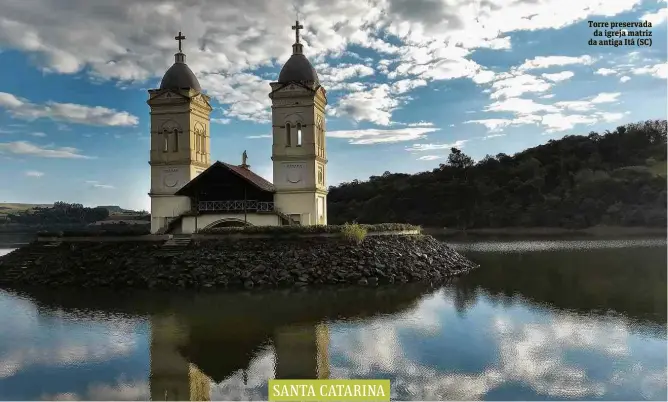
[615, 178]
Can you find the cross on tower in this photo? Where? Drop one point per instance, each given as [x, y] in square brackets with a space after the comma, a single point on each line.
[180, 38]
[297, 27]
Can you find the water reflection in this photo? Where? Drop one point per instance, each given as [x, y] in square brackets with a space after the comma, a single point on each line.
[586, 324]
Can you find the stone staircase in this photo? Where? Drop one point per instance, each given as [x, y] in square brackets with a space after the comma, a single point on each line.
[175, 245]
[287, 220]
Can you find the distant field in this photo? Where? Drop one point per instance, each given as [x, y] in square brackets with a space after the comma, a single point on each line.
[12, 208]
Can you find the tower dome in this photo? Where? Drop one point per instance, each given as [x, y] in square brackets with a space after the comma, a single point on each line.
[298, 68]
[179, 75]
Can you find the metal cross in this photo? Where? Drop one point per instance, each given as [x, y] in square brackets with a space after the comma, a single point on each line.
[297, 27]
[180, 38]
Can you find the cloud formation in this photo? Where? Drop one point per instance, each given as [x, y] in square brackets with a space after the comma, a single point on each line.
[65, 112]
[431, 41]
[29, 149]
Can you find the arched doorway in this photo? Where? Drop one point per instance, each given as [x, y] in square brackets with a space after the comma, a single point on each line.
[228, 223]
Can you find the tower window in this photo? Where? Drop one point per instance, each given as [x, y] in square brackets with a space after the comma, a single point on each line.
[288, 138]
[176, 140]
[299, 134]
[165, 146]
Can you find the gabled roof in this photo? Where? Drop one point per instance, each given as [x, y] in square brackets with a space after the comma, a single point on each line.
[249, 175]
[242, 172]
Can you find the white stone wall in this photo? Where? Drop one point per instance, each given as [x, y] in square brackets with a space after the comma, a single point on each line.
[163, 208]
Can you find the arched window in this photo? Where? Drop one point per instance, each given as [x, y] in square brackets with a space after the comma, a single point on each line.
[176, 140]
[288, 135]
[165, 145]
[299, 134]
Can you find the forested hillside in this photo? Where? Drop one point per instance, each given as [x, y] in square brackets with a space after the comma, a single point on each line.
[613, 178]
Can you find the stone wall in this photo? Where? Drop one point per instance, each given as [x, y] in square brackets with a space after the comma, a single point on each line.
[234, 263]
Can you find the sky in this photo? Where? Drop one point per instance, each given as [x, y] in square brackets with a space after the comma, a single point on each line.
[406, 81]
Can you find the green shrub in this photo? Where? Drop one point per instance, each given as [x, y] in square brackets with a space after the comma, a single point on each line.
[353, 232]
[292, 230]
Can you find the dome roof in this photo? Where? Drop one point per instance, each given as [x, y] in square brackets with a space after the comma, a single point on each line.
[298, 68]
[180, 76]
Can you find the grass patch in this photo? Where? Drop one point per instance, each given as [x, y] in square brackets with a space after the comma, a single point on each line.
[354, 232]
[295, 230]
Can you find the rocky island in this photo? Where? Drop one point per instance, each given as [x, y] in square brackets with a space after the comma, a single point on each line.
[237, 258]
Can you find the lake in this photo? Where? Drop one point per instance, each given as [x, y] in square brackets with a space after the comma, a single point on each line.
[539, 320]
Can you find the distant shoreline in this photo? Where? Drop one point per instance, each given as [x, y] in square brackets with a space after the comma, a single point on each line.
[512, 232]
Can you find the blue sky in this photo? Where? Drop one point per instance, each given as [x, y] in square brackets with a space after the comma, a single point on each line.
[406, 81]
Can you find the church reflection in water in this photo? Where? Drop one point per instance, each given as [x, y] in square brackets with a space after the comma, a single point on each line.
[182, 370]
[200, 339]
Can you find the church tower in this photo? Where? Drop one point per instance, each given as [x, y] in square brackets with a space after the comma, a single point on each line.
[299, 153]
[180, 140]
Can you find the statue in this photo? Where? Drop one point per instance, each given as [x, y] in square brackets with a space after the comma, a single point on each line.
[244, 158]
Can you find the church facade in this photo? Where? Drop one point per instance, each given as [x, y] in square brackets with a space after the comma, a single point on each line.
[189, 193]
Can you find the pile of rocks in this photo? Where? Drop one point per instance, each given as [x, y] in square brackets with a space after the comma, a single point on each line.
[235, 263]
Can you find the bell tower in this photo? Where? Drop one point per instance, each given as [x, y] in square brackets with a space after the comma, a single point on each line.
[299, 153]
[180, 140]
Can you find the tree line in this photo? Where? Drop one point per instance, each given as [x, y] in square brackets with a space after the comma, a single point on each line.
[610, 178]
[61, 213]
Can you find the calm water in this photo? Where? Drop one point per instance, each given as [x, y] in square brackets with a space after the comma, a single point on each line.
[539, 320]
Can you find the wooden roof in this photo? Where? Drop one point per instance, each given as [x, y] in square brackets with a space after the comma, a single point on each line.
[240, 171]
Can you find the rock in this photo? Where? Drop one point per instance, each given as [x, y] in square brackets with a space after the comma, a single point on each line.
[240, 263]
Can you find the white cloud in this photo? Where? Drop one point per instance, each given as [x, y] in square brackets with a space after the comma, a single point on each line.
[557, 116]
[259, 136]
[331, 75]
[493, 136]
[38, 134]
[512, 86]
[97, 184]
[433, 147]
[221, 121]
[557, 77]
[405, 85]
[519, 106]
[624, 79]
[68, 112]
[375, 136]
[657, 70]
[29, 149]
[244, 95]
[656, 18]
[606, 97]
[429, 157]
[34, 173]
[421, 124]
[560, 122]
[492, 124]
[605, 71]
[611, 116]
[541, 62]
[375, 105]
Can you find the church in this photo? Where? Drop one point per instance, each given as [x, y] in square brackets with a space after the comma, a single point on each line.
[189, 193]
